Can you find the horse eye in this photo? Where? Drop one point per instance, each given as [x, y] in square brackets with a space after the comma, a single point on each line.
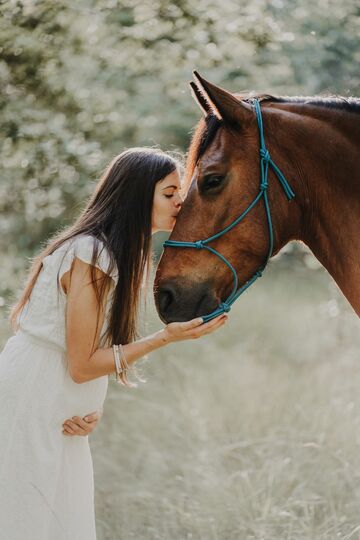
[212, 182]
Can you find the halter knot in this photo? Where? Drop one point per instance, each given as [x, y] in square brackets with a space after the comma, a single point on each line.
[225, 307]
[258, 273]
[265, 154]
[264, 185]
[199, 244]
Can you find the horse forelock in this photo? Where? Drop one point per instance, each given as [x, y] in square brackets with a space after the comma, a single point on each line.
[203, 136]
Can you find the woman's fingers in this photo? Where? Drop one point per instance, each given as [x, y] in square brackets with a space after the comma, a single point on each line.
[209, 327]
[194, 328]
[83, 424]
[78, 426]
[214, 322]
[93, 417]
[194, 323]
[73, 428]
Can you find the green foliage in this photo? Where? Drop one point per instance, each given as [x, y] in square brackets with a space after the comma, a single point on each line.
[82, 80]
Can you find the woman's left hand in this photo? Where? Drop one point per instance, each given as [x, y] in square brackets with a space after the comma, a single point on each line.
[81, 426]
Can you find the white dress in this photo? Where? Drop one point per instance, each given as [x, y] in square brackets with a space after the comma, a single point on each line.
[46, 478]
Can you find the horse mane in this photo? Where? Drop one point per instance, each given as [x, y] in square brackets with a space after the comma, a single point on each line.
[350, 104]
[207, 128]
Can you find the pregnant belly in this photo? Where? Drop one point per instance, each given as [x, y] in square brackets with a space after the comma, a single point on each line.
[84, 398]
[37, 375]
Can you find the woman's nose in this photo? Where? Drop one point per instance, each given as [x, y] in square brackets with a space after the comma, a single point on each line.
[179, 200]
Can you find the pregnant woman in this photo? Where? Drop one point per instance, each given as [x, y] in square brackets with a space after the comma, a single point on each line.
[75, 325]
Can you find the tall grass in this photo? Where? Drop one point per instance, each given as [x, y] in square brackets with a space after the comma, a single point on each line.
[250, 433]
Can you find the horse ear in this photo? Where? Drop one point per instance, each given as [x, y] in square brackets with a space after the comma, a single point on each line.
[215, 100]
[200, 99]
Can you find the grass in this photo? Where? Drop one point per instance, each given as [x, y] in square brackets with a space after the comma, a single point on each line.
[250, 433]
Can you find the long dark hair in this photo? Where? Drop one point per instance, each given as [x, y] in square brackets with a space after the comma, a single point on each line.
[119, 213]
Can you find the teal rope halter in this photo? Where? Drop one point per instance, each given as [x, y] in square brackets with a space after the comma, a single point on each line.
[265, 163]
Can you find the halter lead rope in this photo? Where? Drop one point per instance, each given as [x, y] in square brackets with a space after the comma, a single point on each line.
[265, 163]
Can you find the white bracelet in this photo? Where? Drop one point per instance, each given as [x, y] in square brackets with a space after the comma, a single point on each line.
[118, 367]
[122, 367]
[127, 368]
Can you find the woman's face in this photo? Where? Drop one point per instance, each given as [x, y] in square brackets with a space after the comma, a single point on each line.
[167, 202]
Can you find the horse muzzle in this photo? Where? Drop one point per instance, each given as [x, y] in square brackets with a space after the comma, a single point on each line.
[178, 301]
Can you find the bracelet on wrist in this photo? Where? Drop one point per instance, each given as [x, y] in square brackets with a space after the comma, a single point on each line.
[122, 368]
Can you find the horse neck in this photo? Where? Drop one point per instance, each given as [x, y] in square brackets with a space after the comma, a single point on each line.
[321, 148]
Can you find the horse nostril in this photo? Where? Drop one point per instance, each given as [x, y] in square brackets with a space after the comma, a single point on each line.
[166, 297]
[181, 300]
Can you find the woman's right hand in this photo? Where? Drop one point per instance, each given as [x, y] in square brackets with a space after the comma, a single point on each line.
[194, 329]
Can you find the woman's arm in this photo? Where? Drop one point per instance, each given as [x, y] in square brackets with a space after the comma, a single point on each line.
[87, 362]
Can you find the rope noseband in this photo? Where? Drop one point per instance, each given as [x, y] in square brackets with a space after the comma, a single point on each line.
[265, 163]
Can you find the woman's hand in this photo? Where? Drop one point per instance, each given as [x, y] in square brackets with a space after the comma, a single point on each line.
[81, 426]
[194, 329]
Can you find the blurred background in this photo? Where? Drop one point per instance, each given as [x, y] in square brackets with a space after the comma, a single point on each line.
[251, 433]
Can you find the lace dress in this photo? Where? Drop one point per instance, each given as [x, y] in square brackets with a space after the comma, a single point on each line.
[46, 478]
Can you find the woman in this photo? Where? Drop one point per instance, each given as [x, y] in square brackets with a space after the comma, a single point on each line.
[77, 309]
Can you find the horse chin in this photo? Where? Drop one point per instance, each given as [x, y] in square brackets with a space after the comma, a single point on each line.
[182, 301]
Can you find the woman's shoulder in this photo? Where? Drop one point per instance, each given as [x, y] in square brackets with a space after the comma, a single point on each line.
[82, 247]
[86, 243]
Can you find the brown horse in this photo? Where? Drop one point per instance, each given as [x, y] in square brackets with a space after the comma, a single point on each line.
[316, 144]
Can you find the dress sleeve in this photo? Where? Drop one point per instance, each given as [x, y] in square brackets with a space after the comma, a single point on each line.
[81, 247]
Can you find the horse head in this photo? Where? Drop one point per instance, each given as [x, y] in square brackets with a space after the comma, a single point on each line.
[223, 172]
